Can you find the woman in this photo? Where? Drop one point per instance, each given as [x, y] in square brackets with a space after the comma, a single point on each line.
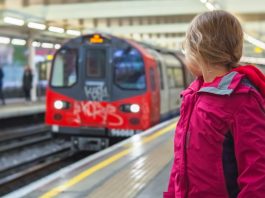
[27, 82]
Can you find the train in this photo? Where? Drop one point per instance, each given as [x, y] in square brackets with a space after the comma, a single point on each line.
[103, 87]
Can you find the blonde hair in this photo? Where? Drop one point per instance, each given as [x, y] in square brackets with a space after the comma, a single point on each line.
[214, 38]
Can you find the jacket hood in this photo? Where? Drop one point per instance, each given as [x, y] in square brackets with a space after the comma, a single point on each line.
[254, 75]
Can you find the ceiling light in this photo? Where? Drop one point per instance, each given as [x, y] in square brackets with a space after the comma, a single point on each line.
[18, 42]
[36, 44]
[14, 21]
[47, 45]
[38, 26]
[56, 29]
[136, 36]
[204, 1]
[4, 40]
[210, 6]
[57, 46]
[73, 32]
[146, 37]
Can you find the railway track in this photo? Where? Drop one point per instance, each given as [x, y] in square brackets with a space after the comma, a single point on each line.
[16, 138]
[28, 151]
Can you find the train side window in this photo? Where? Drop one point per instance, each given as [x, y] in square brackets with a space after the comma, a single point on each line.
[178, 76]
[152, 79]
[170, 77]
[64, 72]
[95, 63]
[160, 74]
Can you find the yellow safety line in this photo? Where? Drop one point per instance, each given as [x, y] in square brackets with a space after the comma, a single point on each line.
[57, 190]
[159, 133]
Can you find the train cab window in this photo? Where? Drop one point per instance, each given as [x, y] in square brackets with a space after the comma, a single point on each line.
[129, 70]
[64, 73]
[95, 63]
[178, 76]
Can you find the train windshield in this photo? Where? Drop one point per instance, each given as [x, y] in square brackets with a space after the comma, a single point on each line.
[64, 72]
[129, 72]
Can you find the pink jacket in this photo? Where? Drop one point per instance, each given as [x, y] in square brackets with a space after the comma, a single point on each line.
[219, 142]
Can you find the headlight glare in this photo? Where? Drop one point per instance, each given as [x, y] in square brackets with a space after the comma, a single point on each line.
[58, 104]
[135, 108]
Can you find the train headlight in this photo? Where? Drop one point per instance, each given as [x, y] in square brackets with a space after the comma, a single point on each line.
[130, 108]
[58, 104]
[134, 108]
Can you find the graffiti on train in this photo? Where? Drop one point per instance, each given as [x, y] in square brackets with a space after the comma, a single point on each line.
[96, 93]
[98, 112]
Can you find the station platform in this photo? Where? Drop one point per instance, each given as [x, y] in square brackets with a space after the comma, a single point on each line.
[135, 168]
[19, 107]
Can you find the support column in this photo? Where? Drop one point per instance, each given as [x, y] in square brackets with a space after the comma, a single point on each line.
[32, 65]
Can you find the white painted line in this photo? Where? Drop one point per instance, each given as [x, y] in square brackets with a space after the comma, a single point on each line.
[61, 173]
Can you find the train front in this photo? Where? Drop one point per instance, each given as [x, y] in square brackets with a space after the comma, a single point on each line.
[98, 88]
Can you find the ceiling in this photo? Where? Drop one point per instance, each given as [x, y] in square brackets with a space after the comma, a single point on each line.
[163, 22]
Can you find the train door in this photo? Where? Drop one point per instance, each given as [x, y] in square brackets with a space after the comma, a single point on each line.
[174, 77]
[97, 81]
[155, 97]
[164, 91]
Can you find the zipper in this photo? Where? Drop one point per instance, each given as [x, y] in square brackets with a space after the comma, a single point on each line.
[186, 145]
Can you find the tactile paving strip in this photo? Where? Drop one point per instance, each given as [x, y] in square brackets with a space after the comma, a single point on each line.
[133, 178]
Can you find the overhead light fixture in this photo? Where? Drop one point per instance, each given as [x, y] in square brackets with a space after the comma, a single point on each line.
[38, 26]
[57, 46]
[4, 40]
[18, 42]
[73, 32]
[210, 6]
[56, 29]
[14, 21]
[47, 45]
[146, 37]
[136, 36]
[36, 44]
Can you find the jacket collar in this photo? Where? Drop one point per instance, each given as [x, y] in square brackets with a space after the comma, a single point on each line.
[224, 85]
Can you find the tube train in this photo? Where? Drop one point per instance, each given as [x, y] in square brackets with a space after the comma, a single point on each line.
[102, 87]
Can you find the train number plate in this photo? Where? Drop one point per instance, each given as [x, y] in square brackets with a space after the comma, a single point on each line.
[121, 132]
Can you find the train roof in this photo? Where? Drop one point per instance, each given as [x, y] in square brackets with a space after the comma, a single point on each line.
[79, 40]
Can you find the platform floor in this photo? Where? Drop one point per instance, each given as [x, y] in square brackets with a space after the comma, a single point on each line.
[19, 107]
[135, 168]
